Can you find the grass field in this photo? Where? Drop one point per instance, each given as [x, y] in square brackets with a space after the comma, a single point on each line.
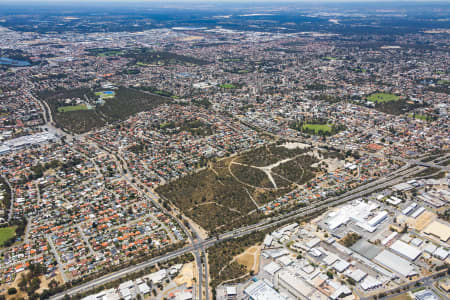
[110, 53]
[420, 117]
[318, 127]
[228, 86]
[6, 233]
[382, 97]
[64, 109]
[105, 52]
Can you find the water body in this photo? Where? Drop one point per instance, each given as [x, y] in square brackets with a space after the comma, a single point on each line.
[13, 62]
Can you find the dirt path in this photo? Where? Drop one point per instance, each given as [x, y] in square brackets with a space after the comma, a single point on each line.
[244, 183]
[218, 204]
[251, 197]
[249, 258]
[268, 171]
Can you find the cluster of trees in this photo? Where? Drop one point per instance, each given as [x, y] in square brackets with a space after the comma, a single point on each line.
[316, 86]
[49, 76]
[440, 88]
[138, 148]
[251, 176]
[298, 170]
[445, 215]
[213, 199]
[203, 103]
[5, 205]
[39, 169]
[218, 202]
[55, 97]
[221, 255]
[151, 56]
[245, 68]
[157, 91]
[350, 239]
[74, 121]
[398, 107]
[268, 155]
[31, 282]
[126, 102]
[194, 126]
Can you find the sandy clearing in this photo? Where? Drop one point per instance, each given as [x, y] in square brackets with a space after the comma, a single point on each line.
[186, 275]
[45, 282]
[292, 145]
[250, 258]
[421, 221]
[20, 294]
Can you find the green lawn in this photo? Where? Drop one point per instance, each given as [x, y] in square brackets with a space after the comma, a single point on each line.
[110, 53]
[72, 108]
[318, 127]
[419, 116]
[382, 97]
[228, 86]
[443, 82]
[6, 233]
[330, 58]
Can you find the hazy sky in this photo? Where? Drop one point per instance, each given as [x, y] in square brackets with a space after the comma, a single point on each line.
[158, 2]
[210, 1]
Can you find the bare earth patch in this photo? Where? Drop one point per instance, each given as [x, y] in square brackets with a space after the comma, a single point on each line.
[421, 221]
[250, 258]
[186, 275]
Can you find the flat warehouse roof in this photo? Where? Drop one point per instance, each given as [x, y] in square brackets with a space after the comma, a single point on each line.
[406, 250]
[395, 263]
[442, 231]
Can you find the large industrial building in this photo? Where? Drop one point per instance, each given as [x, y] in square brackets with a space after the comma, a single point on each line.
[438, 230]
[406, 250]
[262, 291]
[395, 263]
